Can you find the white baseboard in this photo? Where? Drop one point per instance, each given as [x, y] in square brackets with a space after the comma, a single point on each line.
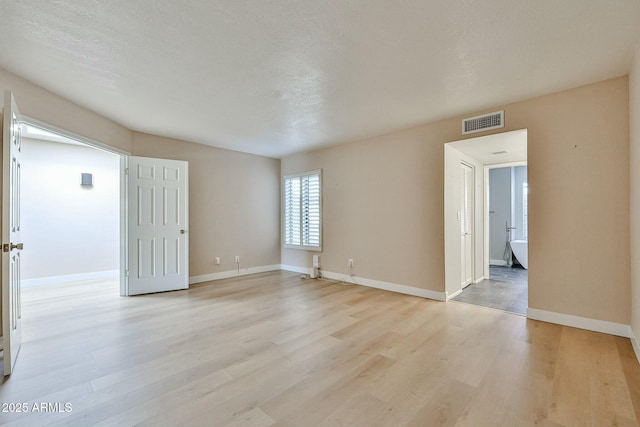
[459, 291]
[232, 273]
[595, 325]
[454, 294]
[498, 262]
[636, 345]
[55, 280]
[393, 287]
[296, 269]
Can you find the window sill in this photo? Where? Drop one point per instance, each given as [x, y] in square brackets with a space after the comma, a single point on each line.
[304, 248]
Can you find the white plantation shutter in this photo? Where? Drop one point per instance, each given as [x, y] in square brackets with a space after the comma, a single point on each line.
[292, 211]
[311, 210]
[302, 210]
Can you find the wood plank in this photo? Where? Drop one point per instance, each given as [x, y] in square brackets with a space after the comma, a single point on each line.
[273, 349]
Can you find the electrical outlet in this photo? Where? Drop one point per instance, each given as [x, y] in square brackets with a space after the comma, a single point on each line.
[350, 263]
[217, 260]
[237, 259]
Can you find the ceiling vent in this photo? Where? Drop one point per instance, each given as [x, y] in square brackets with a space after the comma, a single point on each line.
[484, 122]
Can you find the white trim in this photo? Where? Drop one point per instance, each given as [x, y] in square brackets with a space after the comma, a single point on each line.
[303, 248]
[635, 345]
[472, 193]
[124, 226]
[232, 273]
[498, 262]
[55, 280]
[595, 325]
[454, 294]
[296, 269]
[507, 164]
[303, 173]
[393, 287]
[478, 280]
[84, 140]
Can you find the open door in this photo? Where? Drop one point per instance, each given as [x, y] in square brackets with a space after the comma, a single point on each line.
[466, 224]
[11, 243]
[158, 258]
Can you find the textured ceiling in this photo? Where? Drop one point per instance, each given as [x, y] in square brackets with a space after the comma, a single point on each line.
[505, 147]
[276, 77]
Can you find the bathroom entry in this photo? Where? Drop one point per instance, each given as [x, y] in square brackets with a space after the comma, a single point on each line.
[508, 216]
[480, 268]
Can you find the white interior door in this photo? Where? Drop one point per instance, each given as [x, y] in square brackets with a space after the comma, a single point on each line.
[466, 223]
[12, 245]
[158, 217]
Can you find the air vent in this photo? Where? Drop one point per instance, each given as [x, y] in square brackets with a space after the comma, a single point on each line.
[484, 122]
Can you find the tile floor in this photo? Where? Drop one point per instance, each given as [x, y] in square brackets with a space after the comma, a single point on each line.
[506, 289]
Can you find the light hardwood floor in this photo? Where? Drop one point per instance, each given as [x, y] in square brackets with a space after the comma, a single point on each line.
[272, 349]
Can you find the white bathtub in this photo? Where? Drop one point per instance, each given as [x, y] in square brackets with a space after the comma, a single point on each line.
[520, 249]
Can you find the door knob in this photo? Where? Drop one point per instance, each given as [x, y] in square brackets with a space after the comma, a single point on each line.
[182, 231]
[10, 246]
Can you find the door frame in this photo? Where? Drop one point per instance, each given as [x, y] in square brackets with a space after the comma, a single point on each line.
[452, 242]
[472, 211]
[124, 155]
[487, 228]
[452, 157]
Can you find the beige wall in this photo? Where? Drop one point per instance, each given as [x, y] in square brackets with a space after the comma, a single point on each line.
[233, 203]
[40, 104]
[578, 195]
[384, 202]
[382, 207]
[634, 114]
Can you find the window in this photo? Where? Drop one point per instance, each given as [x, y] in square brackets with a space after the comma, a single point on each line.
[525, 211]
[302, 210]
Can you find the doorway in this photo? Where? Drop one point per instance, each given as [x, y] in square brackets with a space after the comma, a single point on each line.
[70, 221]
[152, 227]
[147, 227]
[473, 272]
[70, 203]
[506, 288]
